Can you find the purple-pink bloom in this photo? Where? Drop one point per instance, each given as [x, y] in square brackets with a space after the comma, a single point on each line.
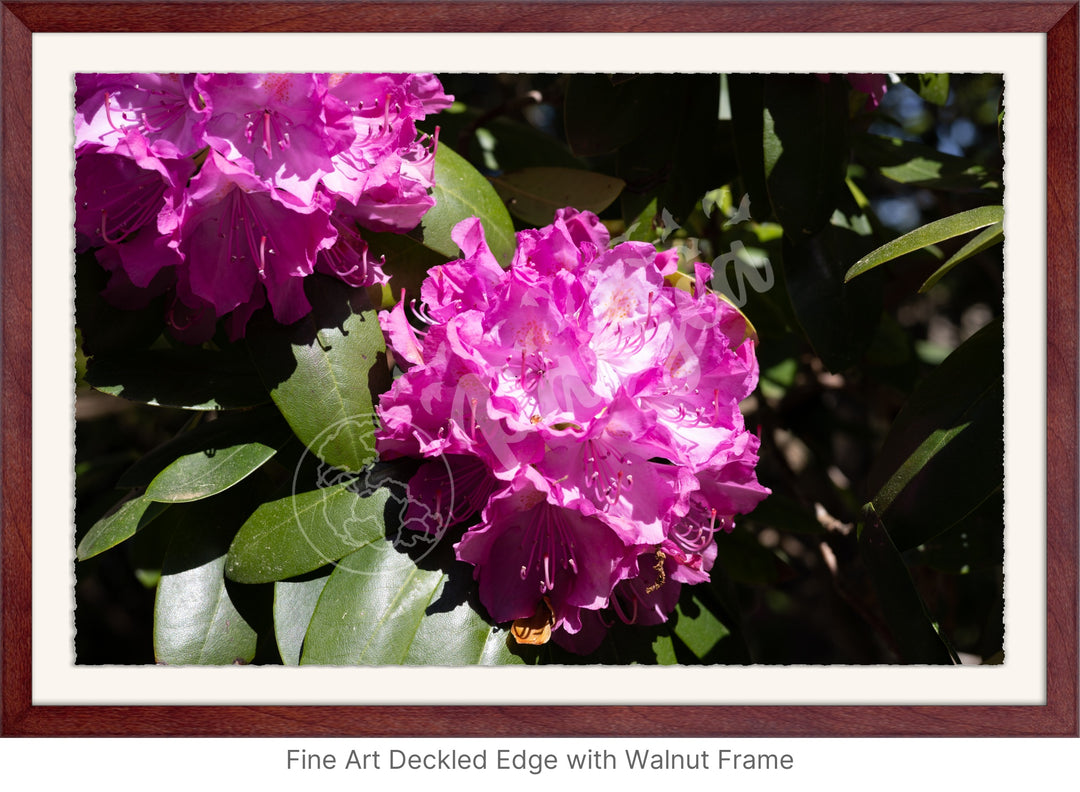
[873, 85]
[594, 410]
[228, 190]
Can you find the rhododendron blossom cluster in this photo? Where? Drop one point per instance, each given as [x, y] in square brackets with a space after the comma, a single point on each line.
[226, 190]
[580, 417]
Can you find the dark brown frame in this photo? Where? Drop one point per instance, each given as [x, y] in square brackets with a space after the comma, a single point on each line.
[1058, 717]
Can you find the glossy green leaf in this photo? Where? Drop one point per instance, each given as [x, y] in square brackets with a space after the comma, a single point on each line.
[295, 535]
[192, 379]
[944, 454]
[804, 138]
[916, 639]
[934, 88]
[534, 194]
[929, 234]
[294, 603]
[380, 608]
[986, 238]
[209, 432]
[461, 192]
[322, 371]
[196, 621]
[205, 473]
[111, 530]
[216, 456]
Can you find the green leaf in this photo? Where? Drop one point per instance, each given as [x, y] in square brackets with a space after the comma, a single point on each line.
[983, 240]
[322, 371]
[944, 454]
[917, 165]
[205, 473]
[298, 534]
[916, 638]
[460, 192]
[223, 454]
[698, 628]
[209, 431]
[934, 88]
[380, 608]
[111, 530]
[192, 379]
[534, 194]
[804, 138]
[294, 603]
[196, 621]
[929, 234]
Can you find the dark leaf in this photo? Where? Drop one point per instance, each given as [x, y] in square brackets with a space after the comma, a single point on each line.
[192, 379]
[805, 145]
[916, 637]
[944, 454]
[534, 194]
[918, 165]
[600, 115]
[837, 318]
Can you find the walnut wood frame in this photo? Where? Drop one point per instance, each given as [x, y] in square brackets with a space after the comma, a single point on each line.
[1058, 717]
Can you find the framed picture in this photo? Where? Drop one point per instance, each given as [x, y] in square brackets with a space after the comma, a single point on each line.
[744, 438]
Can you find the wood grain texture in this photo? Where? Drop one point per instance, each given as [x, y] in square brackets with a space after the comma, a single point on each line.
[521, 16]
[15, 379]
[1058, 718]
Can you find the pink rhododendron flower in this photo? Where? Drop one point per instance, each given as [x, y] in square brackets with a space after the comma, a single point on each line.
[873, 85]
[588, 415]
[228, 190]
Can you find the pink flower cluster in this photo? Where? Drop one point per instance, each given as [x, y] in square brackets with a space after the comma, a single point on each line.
[227, 190]
[587, 411]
